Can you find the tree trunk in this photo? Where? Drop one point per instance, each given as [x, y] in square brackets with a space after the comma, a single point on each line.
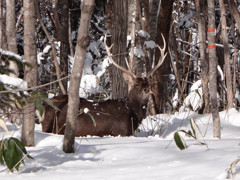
[119, 39]
[83, 42]
[213, 70]
[11, 34]
[226, 55]
[160, 77]
[30, 74]
[3, 38]
[64, 49]
[153, 18]
[201, 14]
[235, 13]
[56, 20]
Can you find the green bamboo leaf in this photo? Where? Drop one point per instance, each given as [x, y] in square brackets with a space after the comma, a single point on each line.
[21, 147]
[93, 120]
[179, 141]
[19, 144]
[39, 107]
[50, 103]
[197, 91]
[12, 155]
[1, 153]
[194, 128]
[189, 133]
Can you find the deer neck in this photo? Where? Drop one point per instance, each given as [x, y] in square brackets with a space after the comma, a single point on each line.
[138, 109]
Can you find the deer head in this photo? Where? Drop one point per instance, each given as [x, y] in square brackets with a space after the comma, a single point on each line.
[129, 77]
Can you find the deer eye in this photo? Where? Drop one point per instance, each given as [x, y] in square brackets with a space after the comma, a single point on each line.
[145, 91]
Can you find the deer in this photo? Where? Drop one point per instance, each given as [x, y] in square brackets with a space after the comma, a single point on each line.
[111, 117]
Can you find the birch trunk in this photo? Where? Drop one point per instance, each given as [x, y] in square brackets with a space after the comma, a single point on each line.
[213, 70]
[83, 42]
[30, 74]
[11, 34]
[200, 7]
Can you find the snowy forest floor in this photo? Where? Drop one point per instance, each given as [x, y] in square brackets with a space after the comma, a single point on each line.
[152, 154]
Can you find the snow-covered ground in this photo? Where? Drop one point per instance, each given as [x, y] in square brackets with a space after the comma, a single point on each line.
[142, 157]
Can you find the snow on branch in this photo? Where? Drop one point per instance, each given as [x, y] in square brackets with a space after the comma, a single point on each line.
[8, 55]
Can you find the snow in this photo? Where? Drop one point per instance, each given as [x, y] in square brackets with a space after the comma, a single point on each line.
[220, 72]
[150, 44]
[89, 85]
[144, 34]
[13, 81]
[143, 157]
[138, 52]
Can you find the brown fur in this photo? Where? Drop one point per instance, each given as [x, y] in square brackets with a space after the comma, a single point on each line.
[50, 114]
[112, 117]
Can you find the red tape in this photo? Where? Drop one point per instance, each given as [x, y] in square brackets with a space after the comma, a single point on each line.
[211, 30]
[211, 46]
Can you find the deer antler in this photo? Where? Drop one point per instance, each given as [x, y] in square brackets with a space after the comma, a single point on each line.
[161, 59]
[108, 49]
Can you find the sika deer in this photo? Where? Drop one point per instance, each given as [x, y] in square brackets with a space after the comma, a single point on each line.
[112, 117]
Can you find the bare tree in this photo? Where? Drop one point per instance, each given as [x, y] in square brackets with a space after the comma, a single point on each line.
[153, 18]
[60, 10]
[30, 73]
[119, 39]
[3, 38]
[235, 13]
[83, 42]
[226, 55]
[213, 69]
[64, 38]
[201, 12]
[11, 34]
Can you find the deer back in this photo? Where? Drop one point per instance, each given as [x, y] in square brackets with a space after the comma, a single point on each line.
[112, 117]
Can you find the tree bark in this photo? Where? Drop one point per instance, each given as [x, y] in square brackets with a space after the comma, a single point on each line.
[213, 69]
[160, 77]
[3, 38]
[226, 55]
[235, 13]
[201, 14]
[119, 39]
[83, 42]
[64, 48]
[153, 18]
[56, 20]
[30, 74]
[11, 34]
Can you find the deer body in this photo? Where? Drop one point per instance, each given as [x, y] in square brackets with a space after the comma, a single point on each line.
[112, 117]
